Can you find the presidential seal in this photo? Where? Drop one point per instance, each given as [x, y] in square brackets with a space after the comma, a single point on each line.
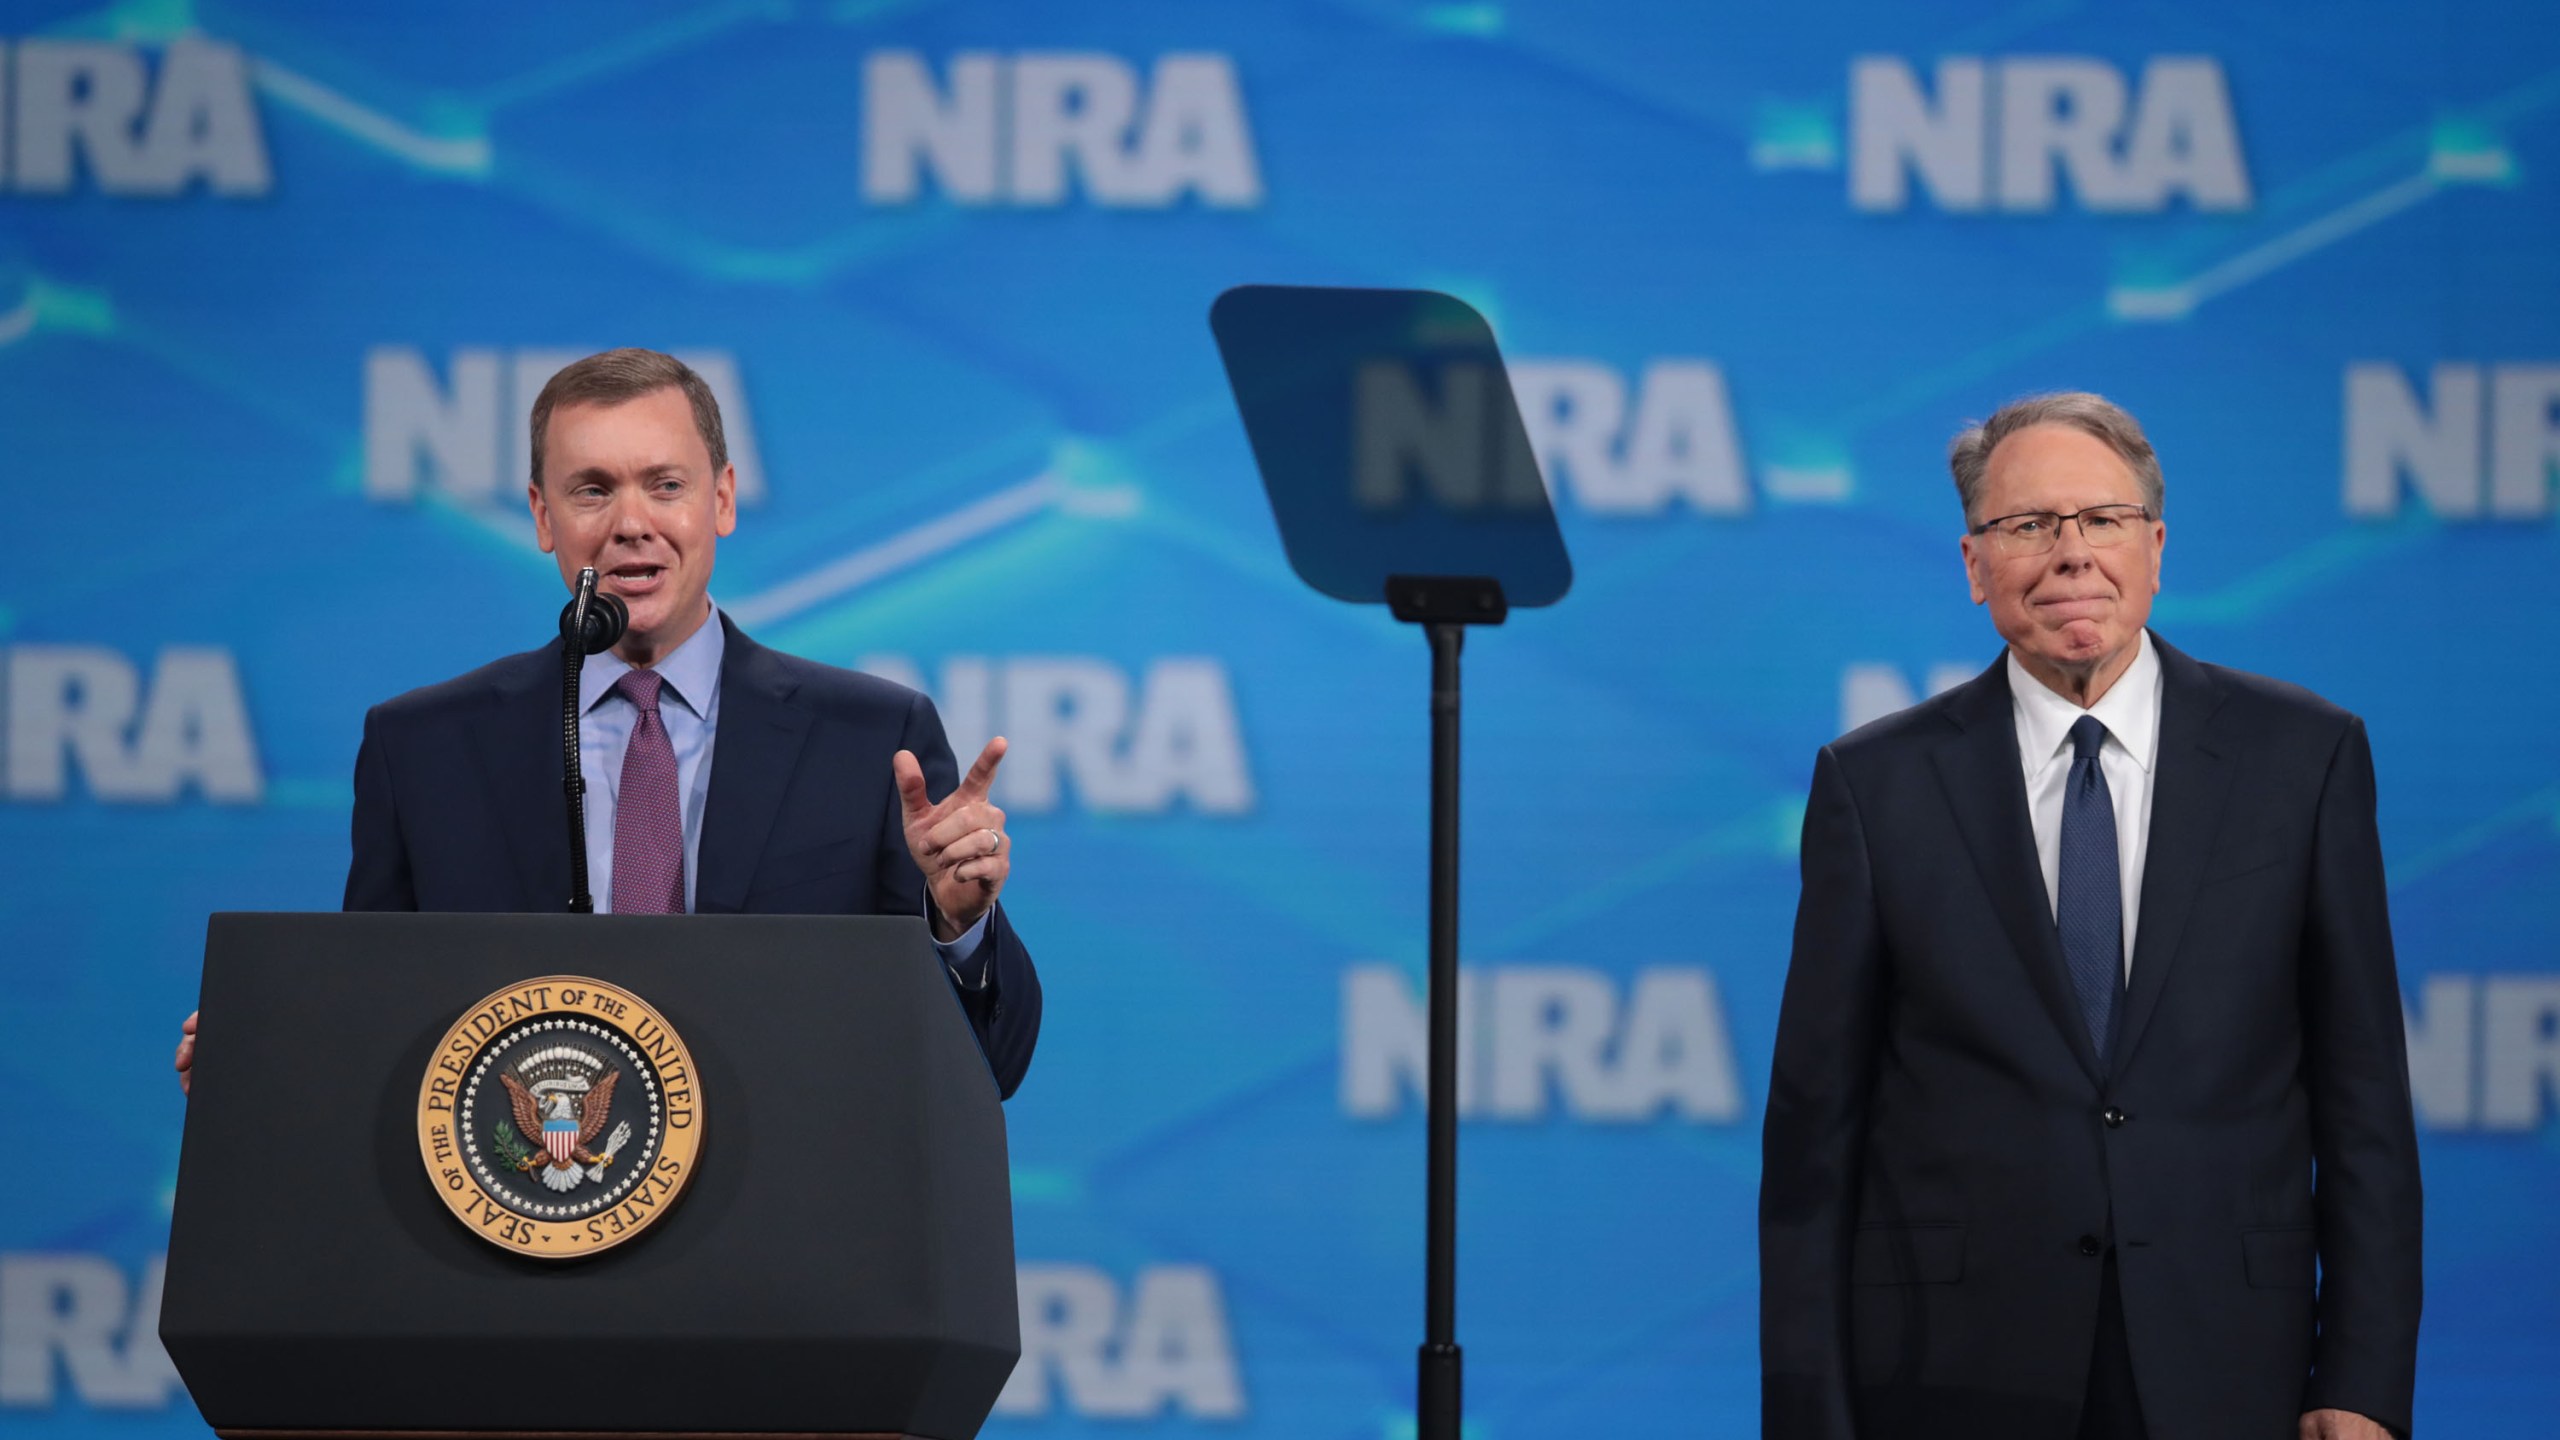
[560, 1117]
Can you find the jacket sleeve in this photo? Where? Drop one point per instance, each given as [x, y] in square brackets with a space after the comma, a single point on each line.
[1812, 1141]
[1005, 1011]
[2363, 1137]
[378, 875]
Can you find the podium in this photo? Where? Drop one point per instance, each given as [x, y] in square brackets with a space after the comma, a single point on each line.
[839, 1260]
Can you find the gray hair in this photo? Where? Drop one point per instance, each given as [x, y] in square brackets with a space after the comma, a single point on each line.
[613, 377]
[2095, 415]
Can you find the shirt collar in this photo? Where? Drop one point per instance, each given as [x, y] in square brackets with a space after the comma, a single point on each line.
[2130, 710]
[691, 671]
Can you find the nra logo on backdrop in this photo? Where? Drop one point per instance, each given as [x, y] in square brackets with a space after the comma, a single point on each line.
[2484, 1052]
[1038, 128]
[80, 114]
[465, 433]
[1158, 1347]
[84, 717]
[1607, 441]
[1082, 728]
[2472, 443]
[1537, 1040]
[2027, 134]
[86, 1320]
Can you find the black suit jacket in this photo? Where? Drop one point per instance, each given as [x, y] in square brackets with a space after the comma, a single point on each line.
[1944, 1159]
[458, 808]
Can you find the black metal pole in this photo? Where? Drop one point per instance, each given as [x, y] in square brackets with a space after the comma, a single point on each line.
[573, 780]
[1437, 1393]
[574, 649]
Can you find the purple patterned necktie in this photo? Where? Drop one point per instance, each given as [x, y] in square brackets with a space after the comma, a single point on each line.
[648, 826]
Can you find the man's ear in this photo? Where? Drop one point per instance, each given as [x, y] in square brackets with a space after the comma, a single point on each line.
[724, 501]
[1972, 571]
[541, 515]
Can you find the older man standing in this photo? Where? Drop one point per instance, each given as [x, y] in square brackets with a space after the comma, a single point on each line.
[2089, 1113]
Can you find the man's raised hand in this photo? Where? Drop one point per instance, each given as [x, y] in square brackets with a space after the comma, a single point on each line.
[960, 843]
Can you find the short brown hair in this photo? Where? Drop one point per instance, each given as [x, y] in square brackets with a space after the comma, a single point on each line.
[1969, 455]
[613, 377]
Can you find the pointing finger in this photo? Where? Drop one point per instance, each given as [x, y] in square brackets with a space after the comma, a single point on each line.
[983, 773]
[910, 783]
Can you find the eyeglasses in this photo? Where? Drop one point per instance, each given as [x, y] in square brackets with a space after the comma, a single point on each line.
[2034, 532]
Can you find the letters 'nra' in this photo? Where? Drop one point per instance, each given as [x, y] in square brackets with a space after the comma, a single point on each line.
[560, 1117]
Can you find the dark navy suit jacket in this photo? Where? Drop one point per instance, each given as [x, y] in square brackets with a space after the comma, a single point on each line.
[458, 808]
[1946, 1161]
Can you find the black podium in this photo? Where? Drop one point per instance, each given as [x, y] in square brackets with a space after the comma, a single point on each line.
[841, 1262]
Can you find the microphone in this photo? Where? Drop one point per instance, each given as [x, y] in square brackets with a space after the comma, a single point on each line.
[599, 618]
[589, 624]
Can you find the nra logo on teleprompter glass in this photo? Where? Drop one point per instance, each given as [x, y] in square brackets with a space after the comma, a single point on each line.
[560, 1117]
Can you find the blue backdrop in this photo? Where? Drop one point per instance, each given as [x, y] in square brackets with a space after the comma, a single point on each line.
[278, 281]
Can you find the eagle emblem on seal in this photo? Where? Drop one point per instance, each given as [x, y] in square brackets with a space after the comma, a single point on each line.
[561, 1115]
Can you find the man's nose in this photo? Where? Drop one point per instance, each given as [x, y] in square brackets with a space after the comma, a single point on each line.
[631, 516]
[2071, 546]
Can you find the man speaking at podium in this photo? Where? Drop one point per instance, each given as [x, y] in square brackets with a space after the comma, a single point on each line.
[721, 776]
[2091, 1044]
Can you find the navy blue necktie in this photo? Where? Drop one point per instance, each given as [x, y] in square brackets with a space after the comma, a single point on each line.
[2089, 898]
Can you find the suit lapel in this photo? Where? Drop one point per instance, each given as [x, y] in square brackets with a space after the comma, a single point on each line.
[752, 760]
[1987, 791]
[2189, 784]
[519, 758]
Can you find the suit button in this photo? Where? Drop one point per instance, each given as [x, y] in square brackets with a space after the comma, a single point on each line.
[2115, 1118]
[2089, 1245]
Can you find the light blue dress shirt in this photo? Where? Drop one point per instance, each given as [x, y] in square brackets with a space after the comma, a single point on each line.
[689, 708]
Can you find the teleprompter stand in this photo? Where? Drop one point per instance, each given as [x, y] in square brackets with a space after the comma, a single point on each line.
[1399, 471]
[1444, 606]
[841, 1264]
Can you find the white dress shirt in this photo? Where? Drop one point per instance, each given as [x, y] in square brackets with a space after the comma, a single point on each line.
[2131, 712]
[689, 711]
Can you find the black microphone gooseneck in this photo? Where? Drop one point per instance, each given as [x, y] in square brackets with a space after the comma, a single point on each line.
[589, 625]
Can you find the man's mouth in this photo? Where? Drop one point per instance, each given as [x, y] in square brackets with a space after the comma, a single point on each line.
[635, 579]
